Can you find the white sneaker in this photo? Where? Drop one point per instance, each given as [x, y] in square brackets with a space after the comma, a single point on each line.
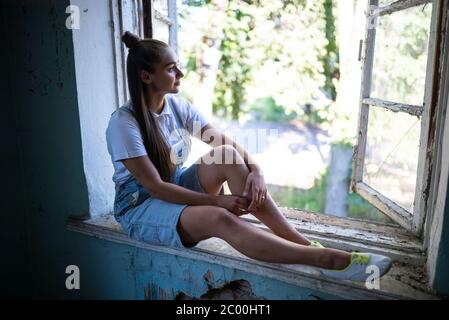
[362, 266]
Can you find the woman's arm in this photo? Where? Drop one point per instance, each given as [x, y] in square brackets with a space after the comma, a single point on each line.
[146, 173]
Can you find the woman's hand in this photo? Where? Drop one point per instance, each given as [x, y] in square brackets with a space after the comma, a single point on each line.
[236, 204]
[255, 186]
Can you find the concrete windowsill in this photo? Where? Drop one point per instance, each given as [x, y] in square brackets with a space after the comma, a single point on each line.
[405, 280]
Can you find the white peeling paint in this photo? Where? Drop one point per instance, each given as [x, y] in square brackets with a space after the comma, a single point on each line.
[96, 86]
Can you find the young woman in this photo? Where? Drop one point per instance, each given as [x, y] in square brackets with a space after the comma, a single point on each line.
[161, 202]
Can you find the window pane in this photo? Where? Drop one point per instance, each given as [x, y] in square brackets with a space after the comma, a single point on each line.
[160, 30]
[161, 6]
[400, 56]
[383, 3]
[391, 160]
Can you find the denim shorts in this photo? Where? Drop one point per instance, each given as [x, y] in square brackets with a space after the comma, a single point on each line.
[152, 220]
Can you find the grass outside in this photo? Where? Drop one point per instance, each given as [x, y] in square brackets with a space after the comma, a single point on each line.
[314, 200]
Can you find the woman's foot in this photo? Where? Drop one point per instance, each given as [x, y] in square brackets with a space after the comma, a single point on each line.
[358, 269]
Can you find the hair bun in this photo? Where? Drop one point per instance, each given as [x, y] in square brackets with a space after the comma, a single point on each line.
[130, 40]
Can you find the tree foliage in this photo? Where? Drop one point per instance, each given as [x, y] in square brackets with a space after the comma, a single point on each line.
[331, 57]
[235, 64]
[275, 49]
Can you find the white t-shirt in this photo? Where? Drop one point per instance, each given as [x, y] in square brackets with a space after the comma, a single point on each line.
[125, 141]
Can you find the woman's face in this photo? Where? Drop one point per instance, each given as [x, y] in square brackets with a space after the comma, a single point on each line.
[167, 75]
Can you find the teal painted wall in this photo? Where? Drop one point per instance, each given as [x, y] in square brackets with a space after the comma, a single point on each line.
[442, 271]
[44, 159]
[12, 218]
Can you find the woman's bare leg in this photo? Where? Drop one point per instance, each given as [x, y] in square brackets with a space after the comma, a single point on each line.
[202, 222]
[212, 176]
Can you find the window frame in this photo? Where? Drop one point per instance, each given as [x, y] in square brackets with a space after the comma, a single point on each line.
[413, 222]
[126, 15]
[342, 233]
[151, 14]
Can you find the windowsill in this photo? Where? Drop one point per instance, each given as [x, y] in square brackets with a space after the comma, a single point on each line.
[405, 280]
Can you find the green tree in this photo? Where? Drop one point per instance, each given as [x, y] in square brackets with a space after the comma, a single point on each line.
[234, 68]
[270, 49]
[331, 58]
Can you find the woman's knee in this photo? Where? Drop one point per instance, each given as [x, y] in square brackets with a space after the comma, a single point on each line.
[222, 223]
[205, 221]
[227, 154]
[217, 217]
[223, 218]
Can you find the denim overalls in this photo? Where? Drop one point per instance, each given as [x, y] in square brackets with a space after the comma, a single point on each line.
[131, 193]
